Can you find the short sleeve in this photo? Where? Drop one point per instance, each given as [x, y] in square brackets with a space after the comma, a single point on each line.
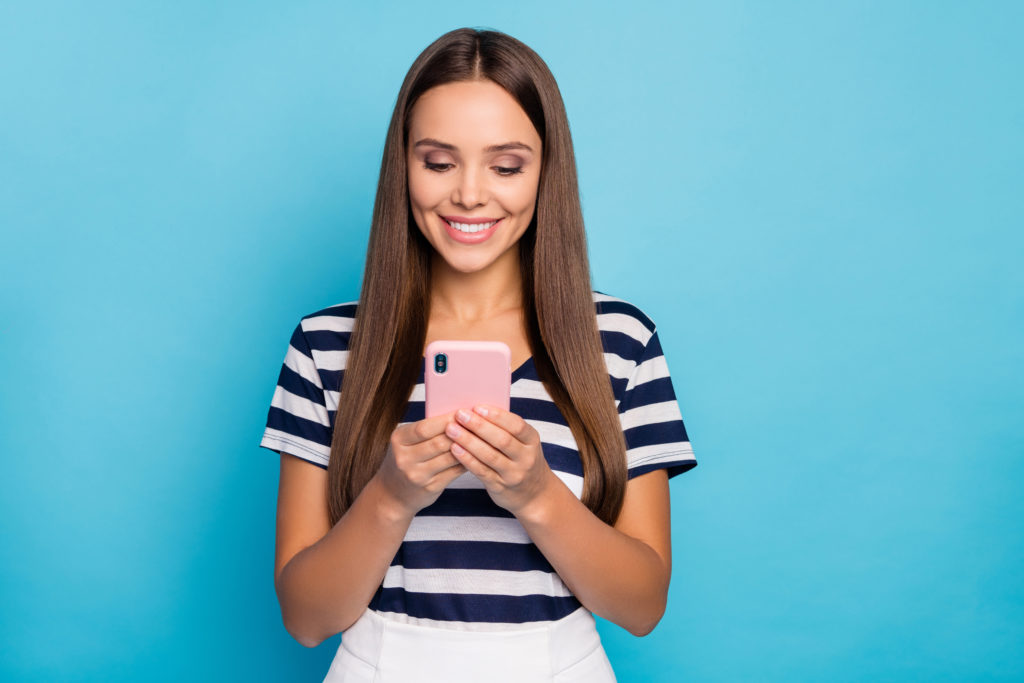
[651, 422]
[298, 421]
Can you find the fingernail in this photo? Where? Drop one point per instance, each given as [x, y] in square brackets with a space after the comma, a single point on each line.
[452, 430]
[457, 449]
[462, 415]
[481, 410]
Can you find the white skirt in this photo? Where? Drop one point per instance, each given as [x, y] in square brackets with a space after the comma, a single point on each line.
[379, 650]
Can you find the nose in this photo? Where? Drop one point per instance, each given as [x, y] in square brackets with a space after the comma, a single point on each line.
[469, 191]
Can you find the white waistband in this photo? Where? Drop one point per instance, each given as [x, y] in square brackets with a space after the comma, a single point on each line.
[399, 648]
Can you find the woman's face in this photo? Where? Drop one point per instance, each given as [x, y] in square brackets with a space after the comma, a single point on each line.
[474, 168]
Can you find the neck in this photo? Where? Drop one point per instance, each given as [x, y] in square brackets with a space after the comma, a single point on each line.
[473, 297]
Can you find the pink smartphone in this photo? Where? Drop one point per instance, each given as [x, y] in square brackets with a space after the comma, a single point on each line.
[462, 374]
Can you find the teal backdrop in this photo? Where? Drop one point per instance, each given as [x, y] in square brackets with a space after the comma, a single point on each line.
[820, 204]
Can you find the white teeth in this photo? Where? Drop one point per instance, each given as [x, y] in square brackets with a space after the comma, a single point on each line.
[476, 227]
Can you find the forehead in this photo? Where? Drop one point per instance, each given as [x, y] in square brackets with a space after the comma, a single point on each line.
[471, 115]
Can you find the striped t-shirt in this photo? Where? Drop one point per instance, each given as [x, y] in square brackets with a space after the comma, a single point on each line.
[465, 562]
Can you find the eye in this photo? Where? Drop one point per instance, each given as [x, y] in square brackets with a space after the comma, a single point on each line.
[502, 170]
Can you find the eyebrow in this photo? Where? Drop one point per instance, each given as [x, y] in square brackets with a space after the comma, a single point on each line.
[431, 142]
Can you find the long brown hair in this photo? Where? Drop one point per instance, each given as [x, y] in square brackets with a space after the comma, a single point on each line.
[385, 349]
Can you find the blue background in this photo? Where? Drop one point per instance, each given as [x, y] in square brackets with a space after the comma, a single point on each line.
[819, 204]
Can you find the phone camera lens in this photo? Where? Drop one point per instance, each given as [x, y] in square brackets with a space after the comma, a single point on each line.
[440, 363]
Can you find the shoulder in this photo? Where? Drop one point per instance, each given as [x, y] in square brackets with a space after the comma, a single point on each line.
[337, 319]
[617, 317]
[322, 334]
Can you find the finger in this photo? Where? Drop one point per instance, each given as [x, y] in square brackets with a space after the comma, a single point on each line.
[510, 422]
[472, 464]
[495, 435]
[477, 447]
[421, 430]
[450, 474]
[439, 463]
[453, 468]
[431, 448]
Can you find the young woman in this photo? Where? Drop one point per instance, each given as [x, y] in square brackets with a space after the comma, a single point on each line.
[475, 545]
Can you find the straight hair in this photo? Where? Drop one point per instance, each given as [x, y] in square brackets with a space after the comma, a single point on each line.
[389, 331]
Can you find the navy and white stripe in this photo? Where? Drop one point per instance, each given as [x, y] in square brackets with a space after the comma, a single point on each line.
[465, 562]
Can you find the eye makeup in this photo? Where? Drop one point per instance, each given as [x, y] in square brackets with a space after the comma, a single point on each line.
[501, 170]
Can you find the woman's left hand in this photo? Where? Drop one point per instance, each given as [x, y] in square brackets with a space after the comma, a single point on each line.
[504, 452]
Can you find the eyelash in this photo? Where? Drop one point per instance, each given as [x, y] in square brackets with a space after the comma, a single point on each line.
[502, 170]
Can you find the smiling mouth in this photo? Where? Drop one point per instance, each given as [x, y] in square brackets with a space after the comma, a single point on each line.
[470, 228]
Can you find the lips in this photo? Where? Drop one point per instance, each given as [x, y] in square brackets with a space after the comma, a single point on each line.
[468, 220]
[470, 230]
[471, 227]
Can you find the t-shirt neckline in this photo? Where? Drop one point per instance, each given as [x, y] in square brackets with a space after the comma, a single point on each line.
[519, 372]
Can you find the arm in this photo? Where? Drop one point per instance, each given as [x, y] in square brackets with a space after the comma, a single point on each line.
[325, 577]
[620, 573]
[324, 585]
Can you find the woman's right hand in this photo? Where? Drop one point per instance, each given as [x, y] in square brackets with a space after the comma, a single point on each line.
[418, 464]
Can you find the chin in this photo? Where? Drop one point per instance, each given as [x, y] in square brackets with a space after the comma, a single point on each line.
[472, 259]
[467, 266]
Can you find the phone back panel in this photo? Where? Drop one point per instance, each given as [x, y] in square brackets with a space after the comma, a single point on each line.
[477, 372]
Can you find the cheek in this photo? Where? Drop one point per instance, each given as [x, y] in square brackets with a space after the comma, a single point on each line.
[524, 198]
[415, 191]
[424, 191]
[416, 206]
